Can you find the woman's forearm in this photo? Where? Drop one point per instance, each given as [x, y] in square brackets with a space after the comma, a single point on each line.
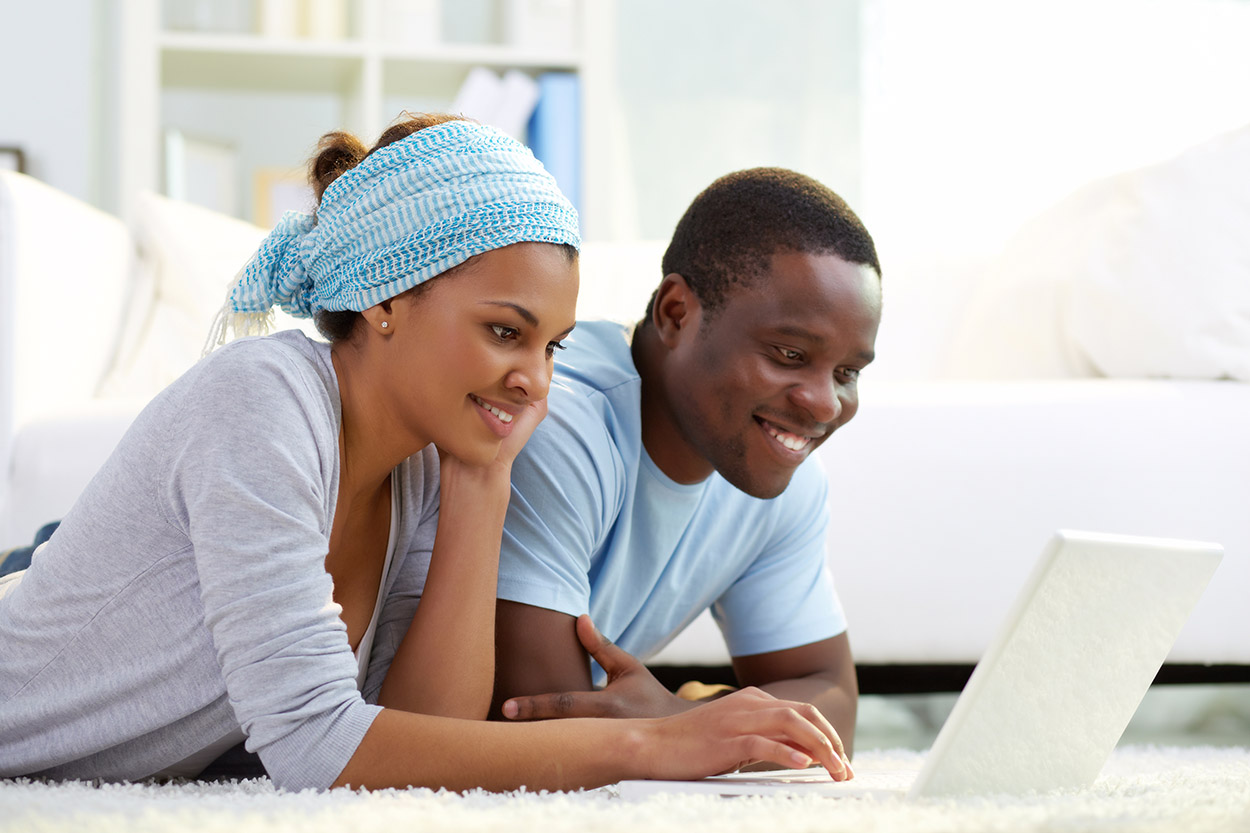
[445, 664]
[402, 749]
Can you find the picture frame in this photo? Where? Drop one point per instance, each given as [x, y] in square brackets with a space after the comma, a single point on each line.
[278, 190]
[12, 158]
[202, 171]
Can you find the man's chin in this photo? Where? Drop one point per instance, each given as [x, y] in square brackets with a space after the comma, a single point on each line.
[763, 488]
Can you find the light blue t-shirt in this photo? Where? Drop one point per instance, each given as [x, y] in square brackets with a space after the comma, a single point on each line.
[595, 526]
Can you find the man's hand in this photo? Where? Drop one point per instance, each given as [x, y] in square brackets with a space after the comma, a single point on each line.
[698, 692]
[631, 690]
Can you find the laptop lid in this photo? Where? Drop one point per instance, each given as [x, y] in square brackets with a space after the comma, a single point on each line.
[1055, 688]
[1058, 684]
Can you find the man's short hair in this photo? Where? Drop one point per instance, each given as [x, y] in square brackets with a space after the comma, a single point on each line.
[730, 232]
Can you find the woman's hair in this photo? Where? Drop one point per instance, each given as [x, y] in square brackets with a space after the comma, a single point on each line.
[337, 153]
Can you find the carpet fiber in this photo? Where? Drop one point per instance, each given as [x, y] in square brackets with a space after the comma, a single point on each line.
[1188, 789]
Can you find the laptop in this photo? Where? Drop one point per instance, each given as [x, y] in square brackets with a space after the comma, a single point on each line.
[1055, 689]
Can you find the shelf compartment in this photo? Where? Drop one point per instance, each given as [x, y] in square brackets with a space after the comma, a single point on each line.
[252, 63]
[490, 55]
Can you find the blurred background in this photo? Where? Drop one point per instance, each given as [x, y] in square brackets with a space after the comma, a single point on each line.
[947, 126]
[944, 124]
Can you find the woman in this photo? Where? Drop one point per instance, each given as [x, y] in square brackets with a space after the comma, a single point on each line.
[248, 563]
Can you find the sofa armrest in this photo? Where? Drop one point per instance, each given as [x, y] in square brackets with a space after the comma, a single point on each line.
[64, 278]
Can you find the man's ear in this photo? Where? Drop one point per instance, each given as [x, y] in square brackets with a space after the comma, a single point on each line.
[676, 310]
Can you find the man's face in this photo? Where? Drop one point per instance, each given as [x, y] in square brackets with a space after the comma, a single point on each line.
[757, 386]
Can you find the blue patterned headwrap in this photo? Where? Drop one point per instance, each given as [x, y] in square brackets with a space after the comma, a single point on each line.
[407, 213]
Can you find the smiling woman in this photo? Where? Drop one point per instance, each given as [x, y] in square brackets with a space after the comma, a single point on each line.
[295, 546]
[494, 326]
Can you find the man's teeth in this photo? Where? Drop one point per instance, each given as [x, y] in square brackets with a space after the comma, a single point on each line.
[791, 441]
[504, 416]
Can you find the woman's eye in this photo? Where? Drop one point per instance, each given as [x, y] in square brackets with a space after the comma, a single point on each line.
[553, 346]
[504, 333]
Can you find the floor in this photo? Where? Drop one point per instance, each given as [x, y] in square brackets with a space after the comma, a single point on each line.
[1171, 715]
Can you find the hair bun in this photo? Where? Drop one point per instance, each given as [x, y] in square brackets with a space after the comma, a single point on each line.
[336, 152]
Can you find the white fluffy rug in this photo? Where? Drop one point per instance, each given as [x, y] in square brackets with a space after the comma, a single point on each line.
[1187, 789]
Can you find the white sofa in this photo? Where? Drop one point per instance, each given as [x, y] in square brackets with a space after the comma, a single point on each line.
[991, 420]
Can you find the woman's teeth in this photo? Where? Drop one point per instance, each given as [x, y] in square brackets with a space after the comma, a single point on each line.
[791, 441]
[503, 416]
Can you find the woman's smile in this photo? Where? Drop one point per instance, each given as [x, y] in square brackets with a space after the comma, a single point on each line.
[495, 417]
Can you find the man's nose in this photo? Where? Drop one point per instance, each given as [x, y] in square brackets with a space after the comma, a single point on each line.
[820, 398]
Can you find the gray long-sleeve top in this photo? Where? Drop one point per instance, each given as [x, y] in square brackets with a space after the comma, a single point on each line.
[185, 594]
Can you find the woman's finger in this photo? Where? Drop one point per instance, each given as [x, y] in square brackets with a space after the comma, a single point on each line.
[789, 722]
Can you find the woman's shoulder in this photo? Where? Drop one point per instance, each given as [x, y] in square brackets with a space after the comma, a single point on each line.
[289, 351]
[267, 378]
[288, 359]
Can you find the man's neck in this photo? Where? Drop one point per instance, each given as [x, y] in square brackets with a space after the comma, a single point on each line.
[661, 436]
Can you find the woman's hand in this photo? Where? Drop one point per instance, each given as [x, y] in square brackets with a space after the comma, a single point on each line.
[742, 728]
[525, 422]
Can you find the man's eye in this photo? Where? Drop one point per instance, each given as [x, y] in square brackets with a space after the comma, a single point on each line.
[504, 333]
[790, 355]
[851, 374]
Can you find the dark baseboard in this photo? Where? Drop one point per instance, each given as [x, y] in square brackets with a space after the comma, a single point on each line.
[924, 679]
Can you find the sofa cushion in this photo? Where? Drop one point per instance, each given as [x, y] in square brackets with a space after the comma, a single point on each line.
[64, 268]
[188, 258]
[1141, 274]
[1165, 288]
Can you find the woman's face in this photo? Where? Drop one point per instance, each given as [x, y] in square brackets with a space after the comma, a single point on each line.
[477, 346]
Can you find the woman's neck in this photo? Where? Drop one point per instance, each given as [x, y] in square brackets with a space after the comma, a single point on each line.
[372, 442]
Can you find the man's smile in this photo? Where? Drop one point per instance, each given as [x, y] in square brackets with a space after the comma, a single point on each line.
[790, 440]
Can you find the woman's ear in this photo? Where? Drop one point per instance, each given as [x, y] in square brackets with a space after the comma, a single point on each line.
[380, 317]
[676, 310]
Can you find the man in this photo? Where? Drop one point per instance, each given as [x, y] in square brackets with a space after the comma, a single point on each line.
[672, 472]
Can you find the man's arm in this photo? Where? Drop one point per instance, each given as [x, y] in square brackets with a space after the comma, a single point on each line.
[822, 673]
[542, 675]
[536, 652]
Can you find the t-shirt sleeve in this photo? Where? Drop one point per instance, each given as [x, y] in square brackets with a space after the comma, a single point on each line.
[250, 486]
[786, 597]
[565, 490]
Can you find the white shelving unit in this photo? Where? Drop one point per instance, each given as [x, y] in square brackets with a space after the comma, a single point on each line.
[272, 97]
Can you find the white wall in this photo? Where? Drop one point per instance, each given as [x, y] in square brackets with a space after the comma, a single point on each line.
[978, 114]
[682, 93]
[51, 107]
[944, 124]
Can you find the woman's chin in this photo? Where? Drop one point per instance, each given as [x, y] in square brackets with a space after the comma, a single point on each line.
[473, 454]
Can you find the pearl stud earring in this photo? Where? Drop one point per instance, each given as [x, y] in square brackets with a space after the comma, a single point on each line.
[385, 324]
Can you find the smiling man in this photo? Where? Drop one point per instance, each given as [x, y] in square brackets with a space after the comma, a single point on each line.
[674, 473]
